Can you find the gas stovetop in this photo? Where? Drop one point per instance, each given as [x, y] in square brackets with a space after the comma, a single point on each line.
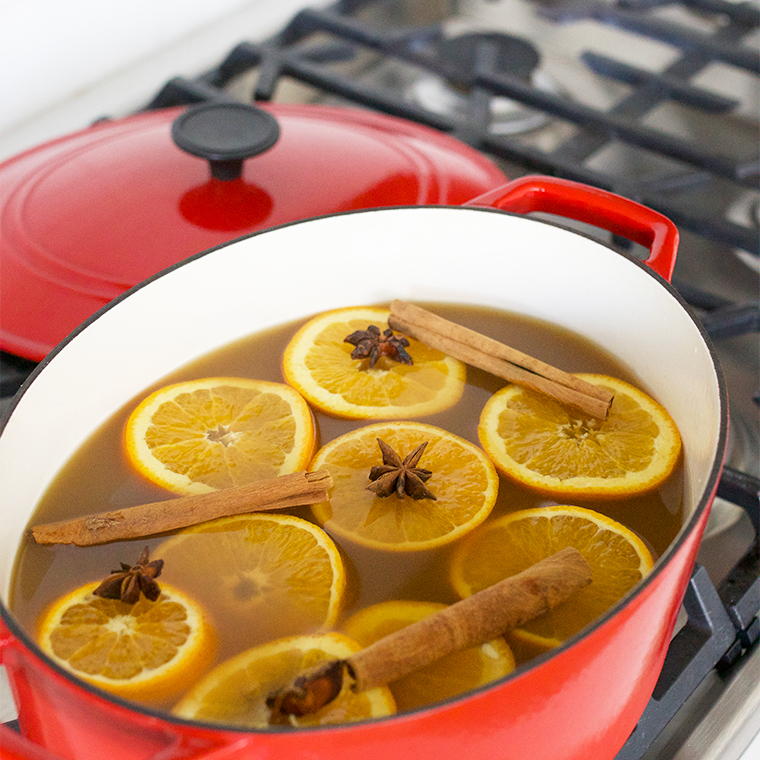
[656, 101]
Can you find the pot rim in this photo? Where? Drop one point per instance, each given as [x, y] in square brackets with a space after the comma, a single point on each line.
[691, 524]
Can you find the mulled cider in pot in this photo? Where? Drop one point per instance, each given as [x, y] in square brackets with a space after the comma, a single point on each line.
[441, 479]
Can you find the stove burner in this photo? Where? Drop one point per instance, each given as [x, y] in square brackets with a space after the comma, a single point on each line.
[494, 53]
[741, 455]
[507, 117]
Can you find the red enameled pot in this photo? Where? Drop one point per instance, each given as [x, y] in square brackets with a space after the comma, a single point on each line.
[579, 701]
[87, 216]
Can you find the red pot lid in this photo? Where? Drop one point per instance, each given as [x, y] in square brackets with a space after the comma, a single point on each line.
[86, 217]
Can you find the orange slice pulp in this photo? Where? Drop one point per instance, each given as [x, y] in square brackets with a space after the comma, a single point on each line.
[508, 545]
[553, 449]
[201, 435]
[464, 483]
[317, 362]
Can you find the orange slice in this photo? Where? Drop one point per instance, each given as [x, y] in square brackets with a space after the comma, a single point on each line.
[506, 546]
[464, 483]
[558, 451]
[526, 645]
[148, 651]
[235, 692]
[317, 362]
[202, 435]
[264, 575]
[445, 678]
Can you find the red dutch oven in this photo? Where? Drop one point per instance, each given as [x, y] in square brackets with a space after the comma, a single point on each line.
[86, 217]
[579, 701]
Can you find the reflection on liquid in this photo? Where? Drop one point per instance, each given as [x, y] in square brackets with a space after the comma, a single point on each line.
[228, 206]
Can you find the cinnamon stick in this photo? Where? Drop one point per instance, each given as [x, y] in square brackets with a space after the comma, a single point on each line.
[499, 359]
[292, 490]
[470, 622]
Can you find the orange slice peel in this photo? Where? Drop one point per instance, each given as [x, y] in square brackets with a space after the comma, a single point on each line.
[463, 481]
[551, 448]
[317, 362]
[508, 545]
[202, 435]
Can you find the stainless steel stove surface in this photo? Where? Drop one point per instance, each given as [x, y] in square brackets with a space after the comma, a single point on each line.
[657, 101]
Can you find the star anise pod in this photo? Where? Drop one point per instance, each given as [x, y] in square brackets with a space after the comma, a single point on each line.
[128, 583]
[400, 476]
[372, 344]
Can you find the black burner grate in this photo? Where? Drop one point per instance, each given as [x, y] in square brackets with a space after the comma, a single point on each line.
[296, 55]
[685, 179]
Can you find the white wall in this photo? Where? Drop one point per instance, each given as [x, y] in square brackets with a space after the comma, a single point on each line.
[64, 63]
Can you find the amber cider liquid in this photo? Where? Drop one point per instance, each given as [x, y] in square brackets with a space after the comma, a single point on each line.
[99, 477]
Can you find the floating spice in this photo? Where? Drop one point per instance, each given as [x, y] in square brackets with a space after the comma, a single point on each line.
[132, 580]
[500, 360]
[470, 622]
[398, 476]
[293, 490]
[372, 344]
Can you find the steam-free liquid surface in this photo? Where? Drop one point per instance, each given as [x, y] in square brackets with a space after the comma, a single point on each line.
[99, 477]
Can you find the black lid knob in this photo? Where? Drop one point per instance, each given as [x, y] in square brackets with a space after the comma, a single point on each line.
[225, 134]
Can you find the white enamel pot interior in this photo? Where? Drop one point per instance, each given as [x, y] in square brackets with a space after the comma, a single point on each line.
[424, 254]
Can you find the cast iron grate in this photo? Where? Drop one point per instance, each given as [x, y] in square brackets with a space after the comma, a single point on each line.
[482, 73]
[314, 44]
[682, 188]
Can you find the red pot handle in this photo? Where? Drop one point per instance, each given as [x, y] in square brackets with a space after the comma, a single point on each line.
[591, 205]
[14, 746]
